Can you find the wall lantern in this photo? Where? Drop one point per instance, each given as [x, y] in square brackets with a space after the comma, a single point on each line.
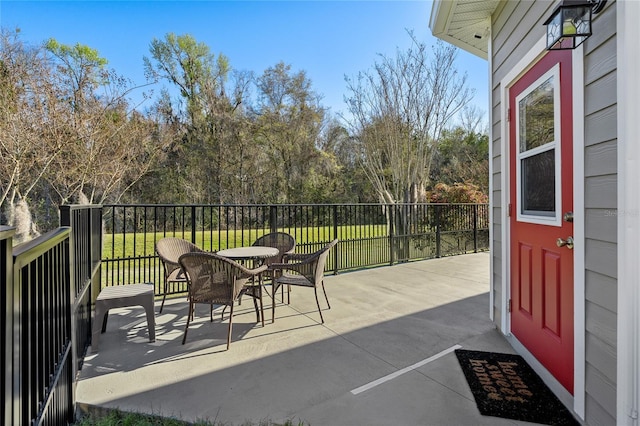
[570, 23]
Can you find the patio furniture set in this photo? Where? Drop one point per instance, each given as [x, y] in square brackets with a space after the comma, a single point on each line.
[221, 278]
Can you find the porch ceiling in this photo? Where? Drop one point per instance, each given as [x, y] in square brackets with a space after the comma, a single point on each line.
[463, 23]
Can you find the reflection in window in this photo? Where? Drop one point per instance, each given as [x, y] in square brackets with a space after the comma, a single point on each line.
[538, 184]
[536, 117]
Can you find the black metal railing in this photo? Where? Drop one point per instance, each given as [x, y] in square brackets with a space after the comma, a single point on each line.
[370, 234]
[86, 252]
[46, 311]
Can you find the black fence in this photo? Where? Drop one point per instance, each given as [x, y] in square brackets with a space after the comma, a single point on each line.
[370, 234]
[46, 312]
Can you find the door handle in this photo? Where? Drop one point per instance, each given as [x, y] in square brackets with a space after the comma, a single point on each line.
[568, 242]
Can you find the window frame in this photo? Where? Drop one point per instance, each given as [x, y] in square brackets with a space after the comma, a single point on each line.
[554, 218]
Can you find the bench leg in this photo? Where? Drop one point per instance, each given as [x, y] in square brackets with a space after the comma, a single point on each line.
[151, 319]
[104, 321]
[98, 326]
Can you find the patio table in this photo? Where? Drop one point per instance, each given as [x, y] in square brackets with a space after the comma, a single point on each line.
[257, 254]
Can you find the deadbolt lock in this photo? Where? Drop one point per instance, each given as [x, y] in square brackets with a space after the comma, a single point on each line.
[568, 217]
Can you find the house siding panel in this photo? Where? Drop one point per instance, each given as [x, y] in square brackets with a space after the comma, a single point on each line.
[602, 159]
[512, 15]
[602, 225]
[602, 61]
[600, 125]
[601, 323]
[600, 355]
[516, 27]
[600, 191]
[602, 290]
[603, 391]
[601, 218]
[596, 414]
[598, 95]
[597, 254]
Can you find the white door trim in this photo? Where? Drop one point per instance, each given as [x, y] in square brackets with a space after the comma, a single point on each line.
[529, 59]
[579, 283]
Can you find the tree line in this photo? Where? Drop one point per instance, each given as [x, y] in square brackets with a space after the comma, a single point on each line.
[71, 132]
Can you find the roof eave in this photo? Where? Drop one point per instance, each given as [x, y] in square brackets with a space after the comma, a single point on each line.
[442, 12]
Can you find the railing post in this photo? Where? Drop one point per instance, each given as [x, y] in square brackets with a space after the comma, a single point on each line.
[6, 356]
[391, 233]
[335, 235]
[65, 215]
[273, 218]
[438, 209]
[193, 224]
[475, 228]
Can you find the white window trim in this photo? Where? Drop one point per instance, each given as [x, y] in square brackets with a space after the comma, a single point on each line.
[556, 219]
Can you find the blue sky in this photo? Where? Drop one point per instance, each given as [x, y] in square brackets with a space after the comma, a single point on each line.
[327, 39]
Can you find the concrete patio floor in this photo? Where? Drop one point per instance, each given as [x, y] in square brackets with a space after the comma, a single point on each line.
[384, 355]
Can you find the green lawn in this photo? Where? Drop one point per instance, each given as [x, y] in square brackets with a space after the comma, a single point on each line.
[143, 244]
[121, 418]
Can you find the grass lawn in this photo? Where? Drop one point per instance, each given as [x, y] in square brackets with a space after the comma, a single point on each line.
[121, 418]
[126, 245]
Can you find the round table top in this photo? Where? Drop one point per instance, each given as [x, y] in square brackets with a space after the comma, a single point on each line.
[252, 252]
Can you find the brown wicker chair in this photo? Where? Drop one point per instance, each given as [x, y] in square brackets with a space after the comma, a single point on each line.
[285, 244]
[218, 280]
[169, 251]
[308, 272]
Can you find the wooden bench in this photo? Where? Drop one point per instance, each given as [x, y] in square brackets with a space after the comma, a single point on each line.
[119, 297]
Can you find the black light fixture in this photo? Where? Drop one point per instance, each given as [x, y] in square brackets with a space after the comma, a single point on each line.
[570, 23]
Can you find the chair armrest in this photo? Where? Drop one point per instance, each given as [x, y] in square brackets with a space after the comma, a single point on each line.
[296, 266]
[299, 256]
[254, 271]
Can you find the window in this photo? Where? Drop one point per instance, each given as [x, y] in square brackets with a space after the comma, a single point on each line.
[538, 150]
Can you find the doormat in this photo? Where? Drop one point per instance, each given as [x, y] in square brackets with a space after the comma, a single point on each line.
[504, 385]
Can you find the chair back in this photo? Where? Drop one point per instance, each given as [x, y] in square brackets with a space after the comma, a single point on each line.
[322, 261]
[212, 278]
[169, 251]
[312, 268]
[284, 242]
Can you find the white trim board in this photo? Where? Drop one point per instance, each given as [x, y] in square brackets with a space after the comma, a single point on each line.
[579, 284]
[492, 293]
[628, 93]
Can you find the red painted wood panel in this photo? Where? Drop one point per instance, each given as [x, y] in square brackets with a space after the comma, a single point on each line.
[542, 273]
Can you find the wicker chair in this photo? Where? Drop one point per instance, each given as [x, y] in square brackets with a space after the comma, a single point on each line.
[169, 251]
[218, 280]
[285, 244]
[308, 272]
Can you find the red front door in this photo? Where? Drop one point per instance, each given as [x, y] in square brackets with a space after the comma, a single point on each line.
[541, 218]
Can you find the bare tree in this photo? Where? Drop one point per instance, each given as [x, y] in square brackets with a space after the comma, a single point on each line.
[67, 131]
[108, 145]
[399, 110]
[28, 101]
